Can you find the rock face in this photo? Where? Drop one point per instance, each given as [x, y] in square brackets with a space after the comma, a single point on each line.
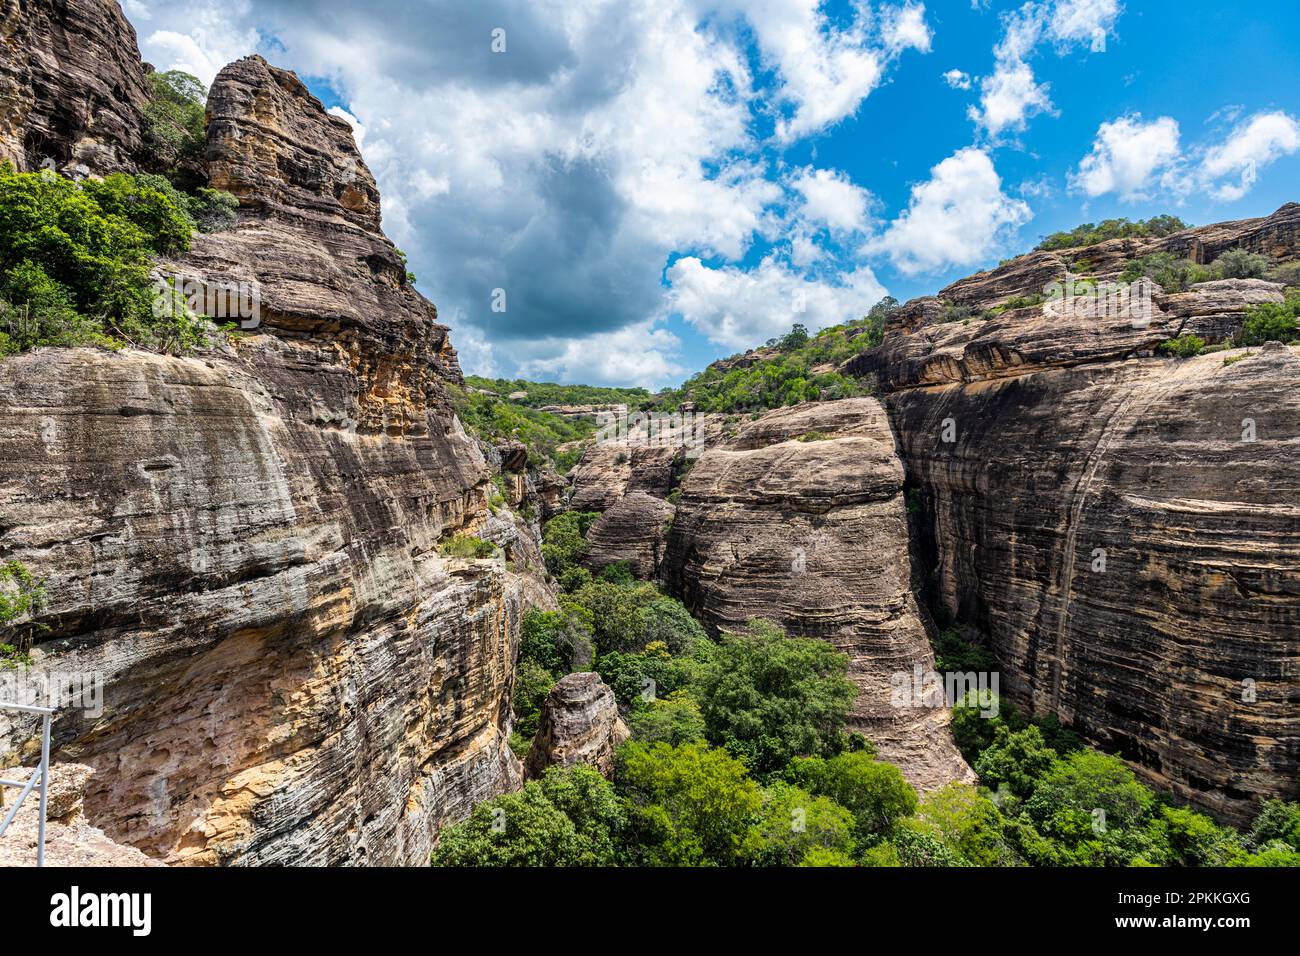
[1122, 527]
[246, 544]
[579, 724]
[69, 839]
[72, 88]
[635, 530]
[813, 536]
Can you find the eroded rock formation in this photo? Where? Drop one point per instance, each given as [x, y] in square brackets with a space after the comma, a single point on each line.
[72, 87]
[246, 544]
[579, 724]
[634, 530]
[69, 839]
[812, 535]
[1122, 526]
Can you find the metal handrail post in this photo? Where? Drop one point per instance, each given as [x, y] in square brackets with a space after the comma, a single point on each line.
[45, 788]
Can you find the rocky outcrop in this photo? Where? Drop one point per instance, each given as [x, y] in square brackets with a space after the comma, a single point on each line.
[579, 724]
[634, 530]
[69, 839]
[608, 471]
[1121, 524]
[812, 534]
[72, 87]
[246, 544]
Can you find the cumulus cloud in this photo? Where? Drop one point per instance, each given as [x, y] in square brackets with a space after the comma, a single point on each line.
[1084, 21]
[1011, 95]
[739, 308]
[826, 70]
[1128, 156]
[1253, 144]
[957, 79]
[1134, 158]
[829, 198]
[958, 217]
[638, 354]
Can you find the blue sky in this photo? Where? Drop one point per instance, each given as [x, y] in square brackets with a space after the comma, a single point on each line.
[657, 184]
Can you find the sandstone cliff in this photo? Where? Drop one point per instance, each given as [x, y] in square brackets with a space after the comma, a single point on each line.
[246, 543]
[812, 535]
[1121, 525]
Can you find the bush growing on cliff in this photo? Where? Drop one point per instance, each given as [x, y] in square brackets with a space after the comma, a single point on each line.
[22, 598]
[1166, 271]
[1089, 234]
[1240, 264]
[74, 263]
[1186, 345]
[1271, 322]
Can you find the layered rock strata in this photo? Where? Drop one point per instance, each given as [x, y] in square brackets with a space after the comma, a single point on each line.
[812, 534]
[246, 544]
[1120, 524]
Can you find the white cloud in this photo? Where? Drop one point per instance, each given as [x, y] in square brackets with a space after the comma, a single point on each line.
[958, 217]
[638, 354]
[1128, 156]
[608, 137]
[1010, 96]
[826, 70]
[740, 308]
[905, 28]
[1254, 143]
[1084, 21]
[957, 79]
[831, 199]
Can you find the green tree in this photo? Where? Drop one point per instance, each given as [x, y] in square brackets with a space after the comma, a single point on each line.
[1016, 759]
[874, 792]
[672, 719]
[969, 823]
[689, 805]
[1270, 322]
[793, 823]
[569, 818]
[768, 698]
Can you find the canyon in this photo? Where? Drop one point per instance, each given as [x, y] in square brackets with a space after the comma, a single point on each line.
[250, 544]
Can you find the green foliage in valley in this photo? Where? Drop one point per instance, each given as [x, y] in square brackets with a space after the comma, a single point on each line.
[496, 419]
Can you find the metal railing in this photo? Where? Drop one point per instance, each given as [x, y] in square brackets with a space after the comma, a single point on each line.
[41, 775]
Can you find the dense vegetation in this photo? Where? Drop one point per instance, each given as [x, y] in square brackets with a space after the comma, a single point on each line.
[74, 263]
[495, 419]
[739, 757]
[799, 367]
[75, 256]
[539, 394]
[1090, 233]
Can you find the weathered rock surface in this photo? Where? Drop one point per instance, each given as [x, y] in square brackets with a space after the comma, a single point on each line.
[579, 724]
[72, 87]
[1049, 446]
[634, 529]
[813, 536]
[69, 839]
[246, 543]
